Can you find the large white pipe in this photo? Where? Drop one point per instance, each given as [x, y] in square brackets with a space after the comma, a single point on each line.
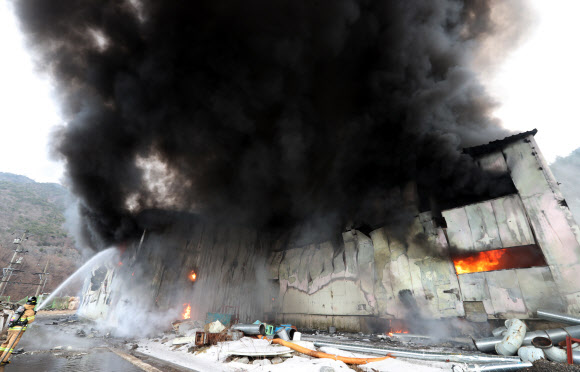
[530, 353]
[513, 339]
[556, 335]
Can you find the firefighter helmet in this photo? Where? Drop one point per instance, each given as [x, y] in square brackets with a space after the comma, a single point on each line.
[31, 301]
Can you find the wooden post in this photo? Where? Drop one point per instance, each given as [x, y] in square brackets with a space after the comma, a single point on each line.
[43, 278]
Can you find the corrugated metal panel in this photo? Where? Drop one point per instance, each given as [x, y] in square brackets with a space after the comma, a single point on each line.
[484, 230]
[458, 229]
[514, 229]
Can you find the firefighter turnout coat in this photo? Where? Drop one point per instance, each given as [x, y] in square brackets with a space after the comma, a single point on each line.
[15, 332]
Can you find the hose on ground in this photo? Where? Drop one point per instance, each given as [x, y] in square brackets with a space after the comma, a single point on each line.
[320, 354]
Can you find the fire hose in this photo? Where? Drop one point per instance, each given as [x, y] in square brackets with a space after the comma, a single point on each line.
[320, 354]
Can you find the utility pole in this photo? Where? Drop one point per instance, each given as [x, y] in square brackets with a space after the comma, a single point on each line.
[43, 279]
[7, 271]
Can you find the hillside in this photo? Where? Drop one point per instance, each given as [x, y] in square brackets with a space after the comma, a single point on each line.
[38, 209]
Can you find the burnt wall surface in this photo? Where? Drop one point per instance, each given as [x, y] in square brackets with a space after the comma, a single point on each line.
[153, 277]
[377, 272]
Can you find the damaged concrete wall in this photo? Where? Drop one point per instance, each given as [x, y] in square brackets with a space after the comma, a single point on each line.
[367, 276]
[231, 275]
[319, 287]
[554, 227]
[97, 292]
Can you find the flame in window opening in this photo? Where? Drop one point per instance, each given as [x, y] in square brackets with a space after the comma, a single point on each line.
[192, 276]
[186, 311]
[483, 261]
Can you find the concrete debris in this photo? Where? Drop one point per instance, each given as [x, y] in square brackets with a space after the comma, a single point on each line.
[261, 362]
[216, 327]
[183, 340]
[243, 360]
[277, 360]
[326, 369]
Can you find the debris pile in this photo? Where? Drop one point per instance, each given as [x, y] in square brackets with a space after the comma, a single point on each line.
[561, 345]
[279, 347]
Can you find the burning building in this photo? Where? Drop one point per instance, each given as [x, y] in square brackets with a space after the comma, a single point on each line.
[485, 258]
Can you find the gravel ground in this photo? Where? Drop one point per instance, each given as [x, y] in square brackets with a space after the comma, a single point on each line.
[547, 366]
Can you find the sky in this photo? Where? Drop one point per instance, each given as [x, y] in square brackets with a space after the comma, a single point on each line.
[536, 87]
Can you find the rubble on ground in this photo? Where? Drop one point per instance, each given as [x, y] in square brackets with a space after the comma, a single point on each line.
[192, 345]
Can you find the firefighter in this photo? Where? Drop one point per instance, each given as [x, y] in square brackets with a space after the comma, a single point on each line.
[17, 325]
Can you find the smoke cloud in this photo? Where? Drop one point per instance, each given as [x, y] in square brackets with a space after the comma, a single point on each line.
[265, 114]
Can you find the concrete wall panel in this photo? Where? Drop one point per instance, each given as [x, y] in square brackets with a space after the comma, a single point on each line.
[458, 229]
[483, 226]
[512, 222]
[505, 293]
[539, 289]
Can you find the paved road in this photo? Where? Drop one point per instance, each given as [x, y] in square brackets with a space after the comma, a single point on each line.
[72, 353]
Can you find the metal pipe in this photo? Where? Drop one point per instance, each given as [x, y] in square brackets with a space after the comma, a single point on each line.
[558, 317]
[500, 367]
[251, 329]
[513, 338]
[556, 335]
[499, 331]
[283, 334]
[423, 355]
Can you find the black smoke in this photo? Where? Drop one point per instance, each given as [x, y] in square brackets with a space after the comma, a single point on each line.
[266, 113]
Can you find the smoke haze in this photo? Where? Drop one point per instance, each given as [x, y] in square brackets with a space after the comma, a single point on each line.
[266, 114]
[567, 172]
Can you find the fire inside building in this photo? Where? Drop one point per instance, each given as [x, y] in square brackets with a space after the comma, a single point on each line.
[496, 258]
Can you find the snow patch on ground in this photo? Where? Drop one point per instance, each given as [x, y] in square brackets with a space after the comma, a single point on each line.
[213, 358]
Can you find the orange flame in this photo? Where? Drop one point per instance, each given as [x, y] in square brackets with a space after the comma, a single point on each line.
[192, 276]
[186, 311]
[482, 261]
[397, 332]
[396, 327]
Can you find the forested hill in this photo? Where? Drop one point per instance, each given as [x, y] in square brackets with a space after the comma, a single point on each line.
[37, 209]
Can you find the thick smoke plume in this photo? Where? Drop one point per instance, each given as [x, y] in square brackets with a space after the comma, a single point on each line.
[265, 113]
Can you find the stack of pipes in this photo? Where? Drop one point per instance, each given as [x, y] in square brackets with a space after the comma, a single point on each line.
[509, 340]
